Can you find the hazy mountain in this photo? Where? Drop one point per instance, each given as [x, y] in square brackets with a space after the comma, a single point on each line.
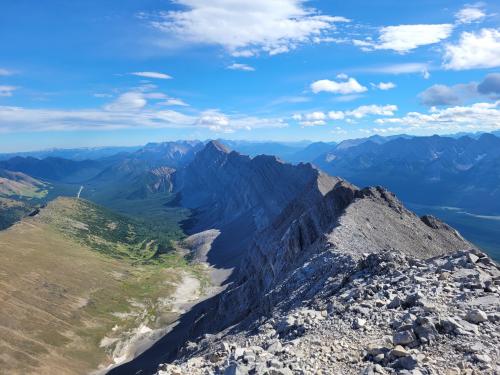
[85, 153]
[435, 170]
[54, 169]
[311, 152]
[169, 154]
[283, 150]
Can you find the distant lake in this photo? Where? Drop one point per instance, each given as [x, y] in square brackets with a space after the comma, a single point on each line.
[481, 230]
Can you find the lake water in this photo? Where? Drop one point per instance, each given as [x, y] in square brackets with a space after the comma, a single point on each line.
[481, 230]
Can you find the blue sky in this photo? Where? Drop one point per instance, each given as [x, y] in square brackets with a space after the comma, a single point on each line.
[93, 73]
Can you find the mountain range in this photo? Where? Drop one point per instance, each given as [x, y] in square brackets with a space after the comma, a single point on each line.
[459, 172]
[289, 255]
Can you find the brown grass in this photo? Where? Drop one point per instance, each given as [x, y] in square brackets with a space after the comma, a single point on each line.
[59, 299]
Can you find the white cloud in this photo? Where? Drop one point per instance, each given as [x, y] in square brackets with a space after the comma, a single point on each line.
[314, 119]
[129, 101]
[5, 72]
[246, 28]
[155, 75]
[349, 86]
[102, 95]
[384, 85]
[478, 116]
[366, 110]
[396, 69]
[154, 95]
[474, 50]
[336, 115]
[342, 76]
[469, 15]
[214, 120]
[174, 102]
[319, 118]
[7, 90]
[243, 67]
[404, 38]
[18, 119]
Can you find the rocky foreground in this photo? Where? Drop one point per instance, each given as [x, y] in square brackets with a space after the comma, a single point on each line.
[384, 313]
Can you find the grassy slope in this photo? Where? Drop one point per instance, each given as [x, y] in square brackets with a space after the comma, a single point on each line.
[75, 274]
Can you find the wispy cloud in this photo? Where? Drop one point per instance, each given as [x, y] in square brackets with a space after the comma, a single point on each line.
[470, 14]
[242, 67]
[5, 72]
[396, 69]
[174, 102]
[7, 90]
[133, 109]
[154, 75]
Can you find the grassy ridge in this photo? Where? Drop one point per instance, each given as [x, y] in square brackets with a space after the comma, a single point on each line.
[112, 234]
[77, 280]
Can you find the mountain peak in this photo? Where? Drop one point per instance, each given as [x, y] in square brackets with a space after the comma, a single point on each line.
[217, 146]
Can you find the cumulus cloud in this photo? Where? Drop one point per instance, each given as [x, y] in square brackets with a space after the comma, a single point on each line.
[7, 90]
[440, 95]
[247, 28]
[155, 75]
[319, 118]
[242, 67]
[469, 15]
[404, 38]
[384, 85]
[314, 119]
[476, 117]
[349, 86]
[336, 115]
[474, 50]
[366, 110]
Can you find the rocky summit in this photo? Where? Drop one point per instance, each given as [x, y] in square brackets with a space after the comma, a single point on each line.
[345, 281]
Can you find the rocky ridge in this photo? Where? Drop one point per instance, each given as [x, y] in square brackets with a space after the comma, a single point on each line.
[388, 313]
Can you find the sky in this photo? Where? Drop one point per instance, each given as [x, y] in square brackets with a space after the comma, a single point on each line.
[86, 73]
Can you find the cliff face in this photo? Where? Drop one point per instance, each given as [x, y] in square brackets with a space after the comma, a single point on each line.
[225, 187]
